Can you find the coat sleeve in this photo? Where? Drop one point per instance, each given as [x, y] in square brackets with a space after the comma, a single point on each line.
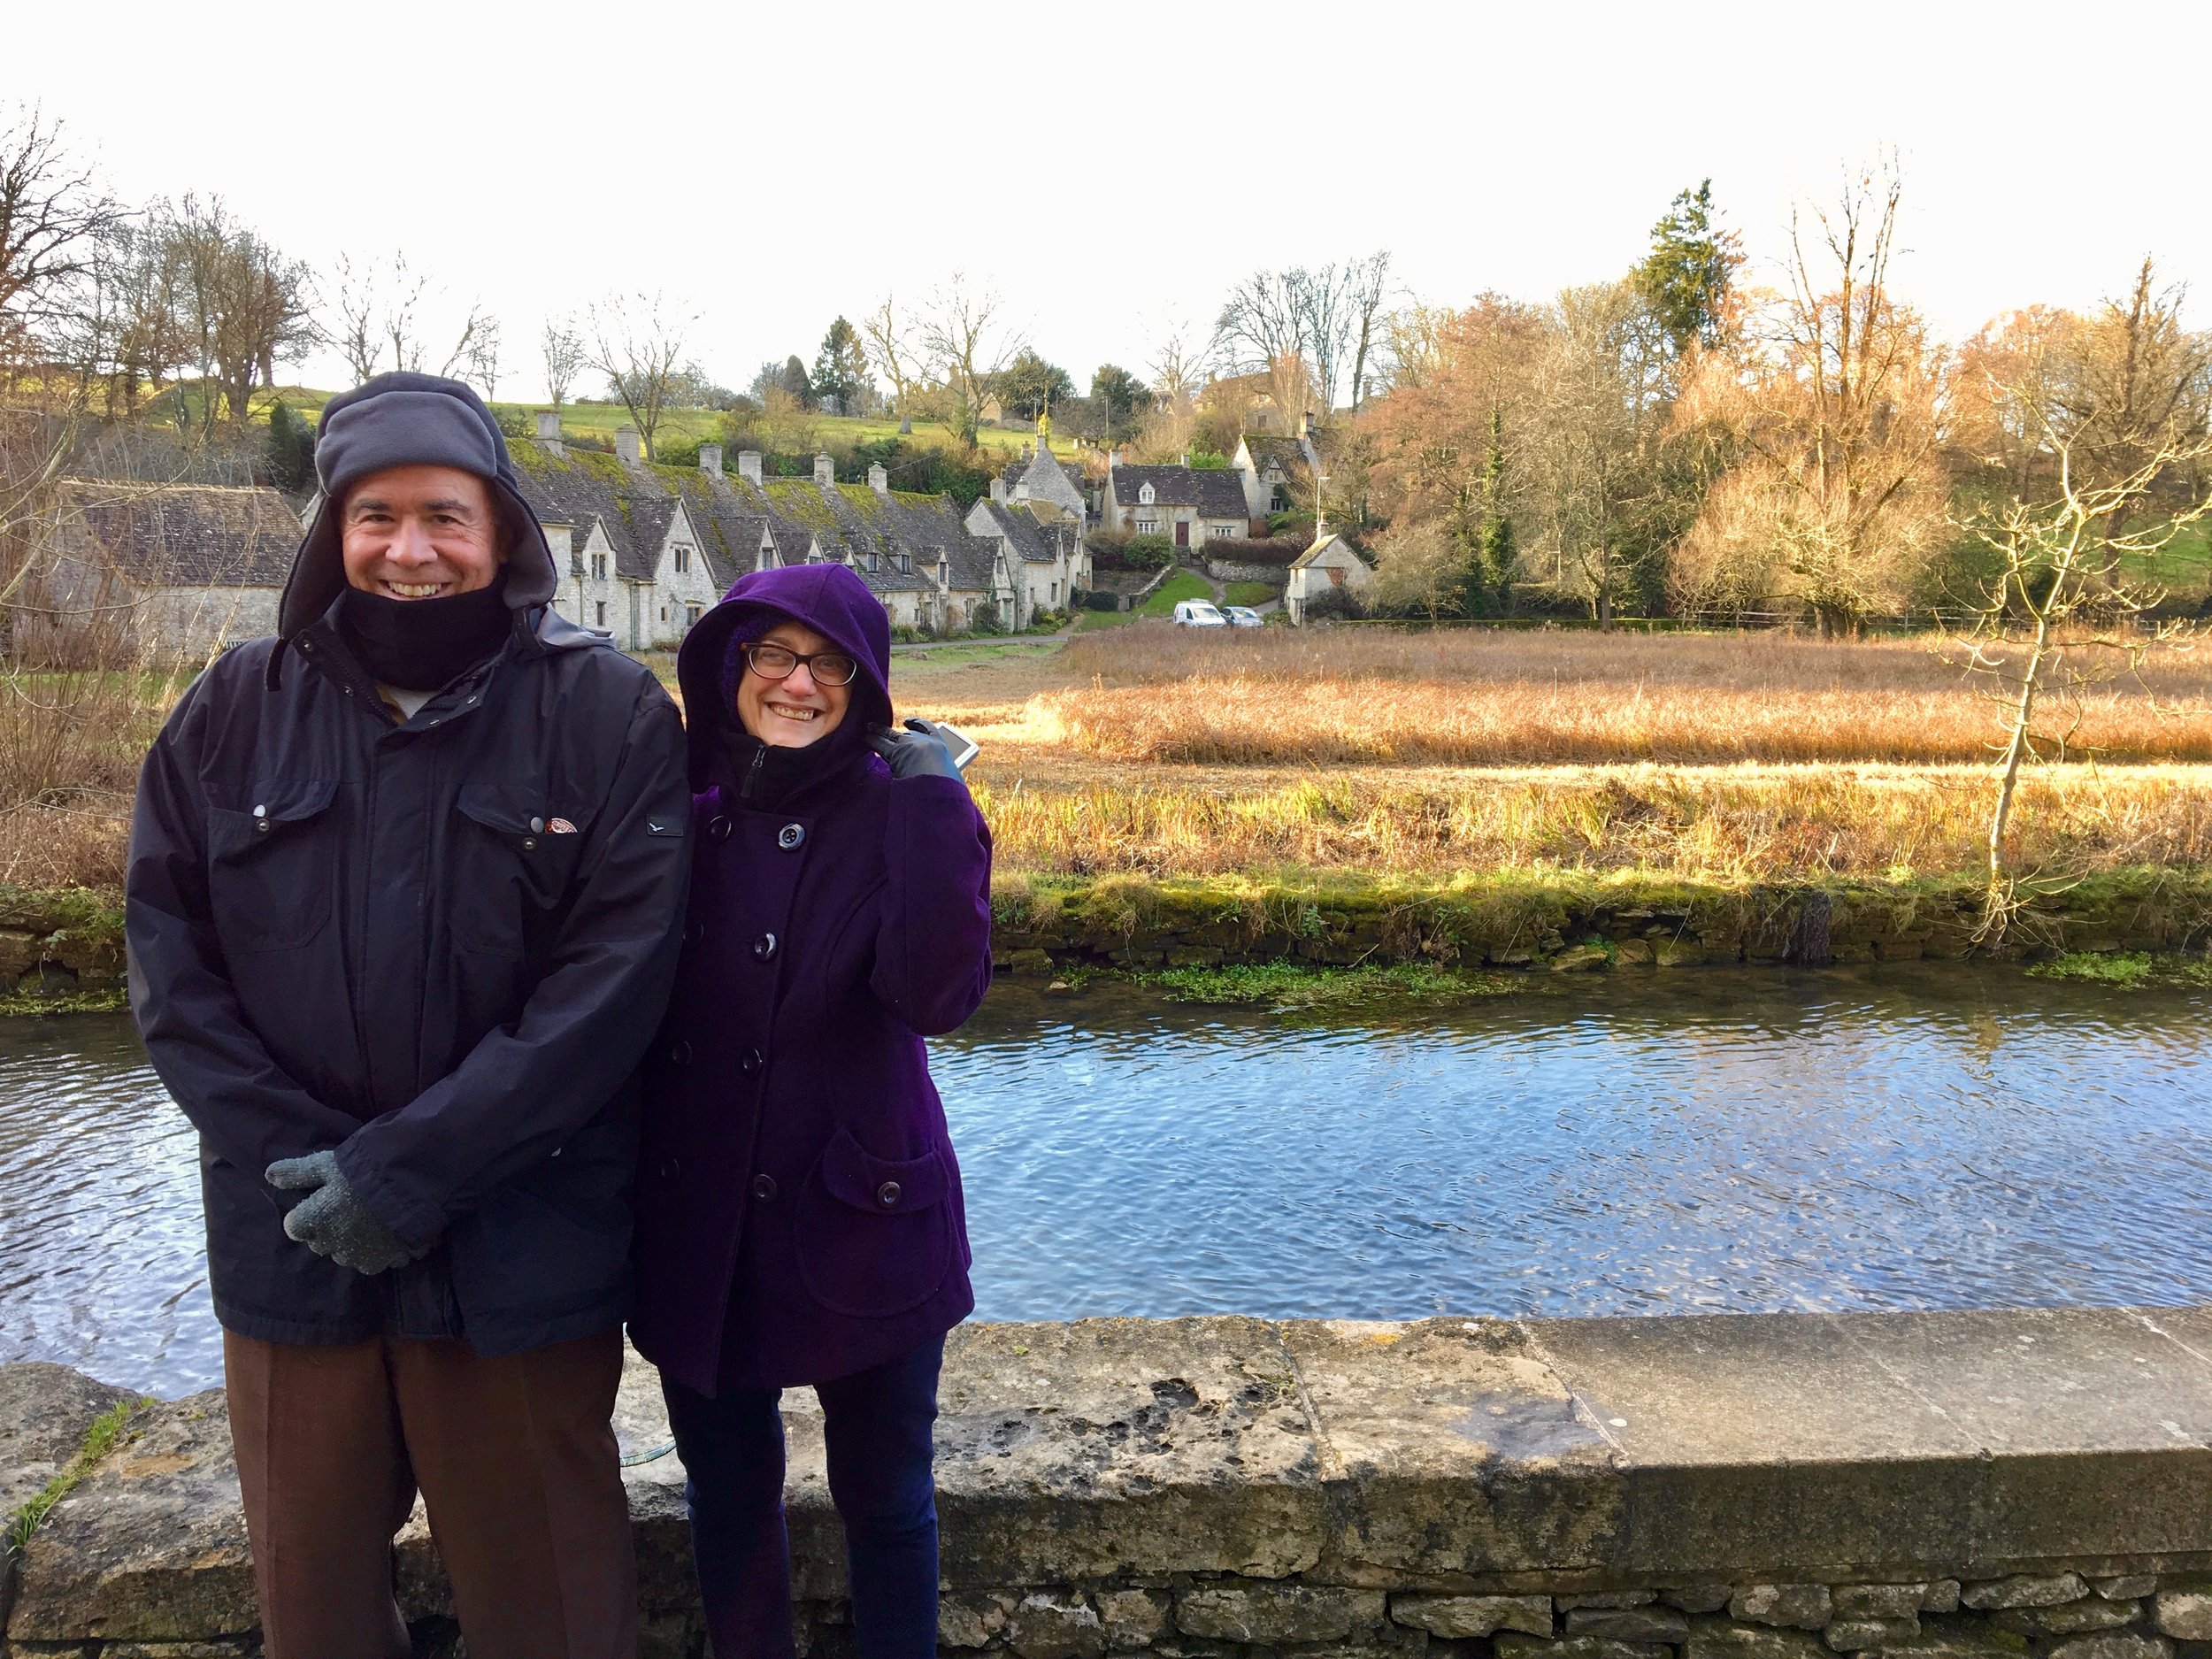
[528, 1085]
[933, 959]
[248, 1108]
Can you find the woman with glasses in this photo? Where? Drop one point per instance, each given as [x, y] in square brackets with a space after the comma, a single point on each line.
[799, 1209]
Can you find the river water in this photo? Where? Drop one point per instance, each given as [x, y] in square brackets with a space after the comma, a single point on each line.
[1919, 1137]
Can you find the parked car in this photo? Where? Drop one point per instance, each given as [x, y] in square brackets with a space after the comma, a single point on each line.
[1243, 617]
[1198, 613]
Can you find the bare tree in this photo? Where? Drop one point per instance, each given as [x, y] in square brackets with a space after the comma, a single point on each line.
[563, 353]
[1836, 400]
[638, 343]
[1367, 284]
[386, 312]
[52, 215]
[889, 337]
[2058, 617]
[965, 333]
[1179, 363]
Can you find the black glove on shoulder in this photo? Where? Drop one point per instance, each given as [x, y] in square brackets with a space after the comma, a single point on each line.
[916, 752]
[332, 1220]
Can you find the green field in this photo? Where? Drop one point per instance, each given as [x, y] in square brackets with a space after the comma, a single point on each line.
[1250, 593]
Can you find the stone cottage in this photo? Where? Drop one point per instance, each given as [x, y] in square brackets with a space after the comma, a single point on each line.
[1330, 562]
[1193, 504]
[173, 572]
[1275, 471]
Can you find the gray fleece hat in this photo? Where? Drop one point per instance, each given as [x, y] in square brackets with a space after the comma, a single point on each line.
[403, 419]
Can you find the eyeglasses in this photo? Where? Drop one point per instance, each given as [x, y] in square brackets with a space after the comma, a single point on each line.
[776, 662]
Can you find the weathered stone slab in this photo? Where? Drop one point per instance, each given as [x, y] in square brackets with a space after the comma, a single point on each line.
[44, 1412]
[1056, 1626]
[1959, 1638]
[2024, 1589]
[1880, 1601]
[1773, 1442]
[2036, 1390]
[2185, 1613]
[1855, 1635]
[1511, 1646]
[1115, 1446]
[2114, 1645]
[1462, 1618]
[1277, 1613]
[1450, 1448]
[1795, 1606]
[152, 1547]
[1630, 1623]
[1719, 1639]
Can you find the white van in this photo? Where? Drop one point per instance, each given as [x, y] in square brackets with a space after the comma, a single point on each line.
[1198, 613]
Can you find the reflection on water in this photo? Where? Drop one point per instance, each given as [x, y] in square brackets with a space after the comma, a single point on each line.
[1929, 1137]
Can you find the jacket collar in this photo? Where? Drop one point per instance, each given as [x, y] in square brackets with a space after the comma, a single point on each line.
[539, 631]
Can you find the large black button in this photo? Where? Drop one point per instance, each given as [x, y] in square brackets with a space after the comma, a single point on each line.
[719, 828]
[669, 1169]
[680, 1053]
[765, 1188]
[765, 947]
[887, 1194]
[789, 837]
[749, 1061]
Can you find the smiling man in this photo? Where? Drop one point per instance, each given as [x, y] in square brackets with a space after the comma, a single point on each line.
[404, 893]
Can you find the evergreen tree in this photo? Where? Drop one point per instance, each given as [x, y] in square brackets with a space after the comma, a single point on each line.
[1490, 572]
[795, 382]
[291, 448]
[1685, 278]
[840, 370]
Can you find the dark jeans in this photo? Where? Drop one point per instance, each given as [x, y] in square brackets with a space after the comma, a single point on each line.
[877, 1424]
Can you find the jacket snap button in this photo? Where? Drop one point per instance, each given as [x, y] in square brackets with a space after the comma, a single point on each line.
[669, 1169]
[750, 1061]
[680, 1054]
[261, 826]
[537, 827]
[261, 811]
[528, 841]
[719, 828]
[789, 837]
[765, 947]
[887, 1194]
[765, 1188]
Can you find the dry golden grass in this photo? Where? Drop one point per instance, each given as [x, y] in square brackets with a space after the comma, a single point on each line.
[1732, 823]
[1345, 698]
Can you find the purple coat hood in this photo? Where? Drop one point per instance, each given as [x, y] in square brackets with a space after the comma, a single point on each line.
[828, 598]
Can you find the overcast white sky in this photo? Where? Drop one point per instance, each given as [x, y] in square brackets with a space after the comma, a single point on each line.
[1110, 166]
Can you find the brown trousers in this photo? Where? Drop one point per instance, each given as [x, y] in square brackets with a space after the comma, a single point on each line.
[516, 1461]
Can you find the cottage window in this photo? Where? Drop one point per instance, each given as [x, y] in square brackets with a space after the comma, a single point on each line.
[1147, 526]
[664, 614]
[683, 560]
[1145, 495]
[602, 613]
[906, 564]
[1222, 531]
[599, 567]
[691, 615]
[1277, 501]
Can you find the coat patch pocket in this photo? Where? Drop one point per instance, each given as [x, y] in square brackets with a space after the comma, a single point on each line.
[269, 873]
[513, 856]
[874, 1235]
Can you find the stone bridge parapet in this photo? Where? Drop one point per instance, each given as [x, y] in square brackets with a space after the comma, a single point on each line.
[1954, 1486]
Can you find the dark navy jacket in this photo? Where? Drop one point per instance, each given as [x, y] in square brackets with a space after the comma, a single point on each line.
[437, 946]
[799, 1206]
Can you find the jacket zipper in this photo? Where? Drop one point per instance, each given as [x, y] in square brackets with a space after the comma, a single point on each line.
[752, 773]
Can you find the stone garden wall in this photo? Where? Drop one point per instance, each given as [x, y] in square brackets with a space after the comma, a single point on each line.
[1965, 1485]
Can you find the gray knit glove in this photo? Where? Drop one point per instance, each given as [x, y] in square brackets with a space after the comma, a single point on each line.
[332, 1220]
[916, 752]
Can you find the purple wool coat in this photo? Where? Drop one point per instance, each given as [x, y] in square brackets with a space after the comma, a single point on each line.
[799, 1211]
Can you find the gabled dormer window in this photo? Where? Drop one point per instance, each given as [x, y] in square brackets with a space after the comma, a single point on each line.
[1145, 496]
[599, 567]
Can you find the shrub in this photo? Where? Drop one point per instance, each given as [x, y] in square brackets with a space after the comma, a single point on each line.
[1116, 550]
[1280, 551]
[1333, 604]
[1099, 601]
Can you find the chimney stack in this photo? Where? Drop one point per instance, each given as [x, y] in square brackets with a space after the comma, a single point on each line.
[711, 458]
[998, 490]
[879, 480]
[748, 466]
[549, 426]
[825, 471]
[626, 445]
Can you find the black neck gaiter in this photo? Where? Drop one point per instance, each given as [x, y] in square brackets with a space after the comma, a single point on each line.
[768, 778]
[423, 644]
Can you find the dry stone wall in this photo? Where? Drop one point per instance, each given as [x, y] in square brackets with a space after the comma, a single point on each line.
[1969, 1485]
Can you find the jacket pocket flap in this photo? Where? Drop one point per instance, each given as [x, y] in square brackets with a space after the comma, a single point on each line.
[513, 808]
[888, 1187]
[292, 800]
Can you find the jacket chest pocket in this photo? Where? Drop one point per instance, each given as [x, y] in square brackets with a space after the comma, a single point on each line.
[271, 866]
[875, 1235]
[514, 860]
